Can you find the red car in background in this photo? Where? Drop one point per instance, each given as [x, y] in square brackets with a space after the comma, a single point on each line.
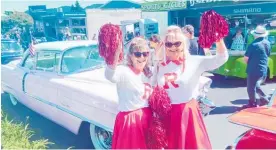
[262, 120]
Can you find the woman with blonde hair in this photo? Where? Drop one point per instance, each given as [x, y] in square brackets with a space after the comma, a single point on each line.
[134, 89]
[179, 76]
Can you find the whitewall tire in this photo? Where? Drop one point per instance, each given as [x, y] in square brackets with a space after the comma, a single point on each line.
[101, 138]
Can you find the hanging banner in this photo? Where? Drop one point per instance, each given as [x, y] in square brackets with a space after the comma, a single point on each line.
[154, 6]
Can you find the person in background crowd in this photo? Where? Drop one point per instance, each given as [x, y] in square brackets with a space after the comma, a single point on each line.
[131, 35]
[188, 31]
[78, 37]
[157, 45]
[133, 88]
[7, 36]
[238, 41]
[137, 31]
[237, 24]
[127, 36]
[256, 58]
[179, 76]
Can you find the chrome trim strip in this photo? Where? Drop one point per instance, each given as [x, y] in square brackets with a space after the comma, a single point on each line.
[70, 112]
[23, 81]
[254, 127]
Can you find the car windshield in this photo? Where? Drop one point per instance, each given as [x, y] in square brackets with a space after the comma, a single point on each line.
[81, 59]
[7, 46]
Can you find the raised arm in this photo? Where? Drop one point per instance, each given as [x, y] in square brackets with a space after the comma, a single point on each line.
[213, 62]
[112, 73]
[155, 73]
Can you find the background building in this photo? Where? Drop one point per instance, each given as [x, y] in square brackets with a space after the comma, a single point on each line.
[240, 15]
[160, 10]
[54, 23]
[111, 12]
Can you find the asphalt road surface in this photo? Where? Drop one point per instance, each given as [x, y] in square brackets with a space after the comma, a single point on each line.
[228, 94]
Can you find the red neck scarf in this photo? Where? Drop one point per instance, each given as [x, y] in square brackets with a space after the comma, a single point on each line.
[177, 62]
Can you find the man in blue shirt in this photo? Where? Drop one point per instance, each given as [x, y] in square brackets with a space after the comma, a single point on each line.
[256, 58]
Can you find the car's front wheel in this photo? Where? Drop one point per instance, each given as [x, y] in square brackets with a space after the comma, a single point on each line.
[100, 137]
[14, 101]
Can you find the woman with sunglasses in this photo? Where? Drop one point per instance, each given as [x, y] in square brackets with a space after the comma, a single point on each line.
[134, 89]
[179, 76]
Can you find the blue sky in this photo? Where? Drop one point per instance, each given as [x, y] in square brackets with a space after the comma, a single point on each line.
[22, 5]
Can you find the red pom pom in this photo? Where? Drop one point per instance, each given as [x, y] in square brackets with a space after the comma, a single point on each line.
[157, 134]
[213, 27]
[110, 36]
[160, 102]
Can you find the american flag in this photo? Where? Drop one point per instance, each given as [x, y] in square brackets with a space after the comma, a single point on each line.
[32, 49]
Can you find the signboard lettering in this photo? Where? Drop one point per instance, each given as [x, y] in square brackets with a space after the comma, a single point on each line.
[247, 10]
[194, 2]
[164, 5]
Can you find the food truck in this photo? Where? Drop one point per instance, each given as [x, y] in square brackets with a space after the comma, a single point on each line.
[236, 67]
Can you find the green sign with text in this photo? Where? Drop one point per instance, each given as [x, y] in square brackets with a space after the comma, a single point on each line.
[163, 5]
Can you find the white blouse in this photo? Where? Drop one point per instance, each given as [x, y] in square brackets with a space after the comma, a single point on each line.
[133, 89]
[183, 86]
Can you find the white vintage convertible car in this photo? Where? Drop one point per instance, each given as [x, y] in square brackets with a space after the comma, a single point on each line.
[65, 83]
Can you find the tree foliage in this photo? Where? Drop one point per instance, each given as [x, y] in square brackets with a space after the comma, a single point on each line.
[16, 20]
[72, 8]
[77, 7]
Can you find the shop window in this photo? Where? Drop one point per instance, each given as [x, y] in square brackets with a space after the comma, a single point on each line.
[79, 30]
[78, 22]
[63, 23]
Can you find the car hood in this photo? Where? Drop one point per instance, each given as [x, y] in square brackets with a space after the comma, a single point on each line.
[261, 118]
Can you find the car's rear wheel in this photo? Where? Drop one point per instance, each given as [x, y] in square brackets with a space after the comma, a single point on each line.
[100, 137]
[14, 101]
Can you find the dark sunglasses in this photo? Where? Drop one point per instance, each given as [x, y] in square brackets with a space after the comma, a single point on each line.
[139, 54]
[170, 44]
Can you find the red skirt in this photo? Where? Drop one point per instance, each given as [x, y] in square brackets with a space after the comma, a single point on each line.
[187, 129]
[130, 129]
